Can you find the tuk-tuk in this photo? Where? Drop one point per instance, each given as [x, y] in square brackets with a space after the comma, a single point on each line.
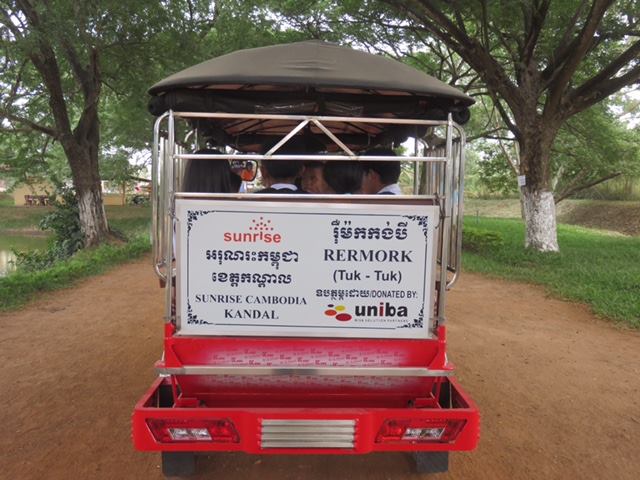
[306, 323]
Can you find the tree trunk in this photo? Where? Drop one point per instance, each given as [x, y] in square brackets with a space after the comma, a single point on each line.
[540, 220]
[92, 215]
[538, 206]
[83, 159]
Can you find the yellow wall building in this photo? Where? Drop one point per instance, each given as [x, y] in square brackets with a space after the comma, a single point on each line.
[34, 191]
[34, 194]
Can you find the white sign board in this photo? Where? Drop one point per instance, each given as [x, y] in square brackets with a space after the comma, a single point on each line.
[294, 269]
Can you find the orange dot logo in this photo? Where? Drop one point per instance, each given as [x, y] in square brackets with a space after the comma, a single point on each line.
[338, 312]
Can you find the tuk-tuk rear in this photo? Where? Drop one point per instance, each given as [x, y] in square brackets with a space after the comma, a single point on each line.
[306, 323]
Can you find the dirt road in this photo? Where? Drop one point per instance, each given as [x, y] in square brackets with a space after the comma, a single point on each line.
[558, 390]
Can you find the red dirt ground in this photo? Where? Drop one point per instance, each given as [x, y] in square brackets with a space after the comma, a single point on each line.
[558, 389]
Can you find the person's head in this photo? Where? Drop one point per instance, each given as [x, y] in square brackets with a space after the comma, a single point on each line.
[380, 174]
[207, 176]
[343, 177]
[313, 179]
[280, 171]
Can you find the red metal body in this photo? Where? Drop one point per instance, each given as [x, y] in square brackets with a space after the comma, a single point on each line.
[245, 401]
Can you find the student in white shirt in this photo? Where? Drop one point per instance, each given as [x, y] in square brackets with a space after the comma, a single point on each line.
[381, 177]
[280, 176]
[343, 177]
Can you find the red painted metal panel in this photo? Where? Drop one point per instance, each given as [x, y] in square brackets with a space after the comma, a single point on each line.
[247, 421]
[303, 352]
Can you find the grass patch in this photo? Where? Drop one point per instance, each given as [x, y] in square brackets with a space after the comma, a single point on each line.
[21, 218]
[595, 268]
[125, 219]
[131, 220]
[6, 200]
[618, 216]
[20, 287]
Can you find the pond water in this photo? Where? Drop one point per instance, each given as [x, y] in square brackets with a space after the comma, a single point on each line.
[20, 243]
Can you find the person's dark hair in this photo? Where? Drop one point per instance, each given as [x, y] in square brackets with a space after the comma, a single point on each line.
[282, 169]
[344, 177]
[389, 171]
[279, 169]
[236, 181]
[208, 176]
[314, 164]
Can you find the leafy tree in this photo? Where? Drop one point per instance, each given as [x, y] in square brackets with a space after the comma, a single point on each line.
[59, 57]
[592, 147]
[117, 168]
[540, 62]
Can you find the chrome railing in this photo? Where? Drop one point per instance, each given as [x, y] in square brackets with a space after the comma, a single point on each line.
[443, 182]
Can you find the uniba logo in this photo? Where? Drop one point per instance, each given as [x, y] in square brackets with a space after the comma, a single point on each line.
[338, 311]
[384, 309]
[259, 231]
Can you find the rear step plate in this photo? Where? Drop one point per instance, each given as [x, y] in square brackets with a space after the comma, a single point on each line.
[307, 433]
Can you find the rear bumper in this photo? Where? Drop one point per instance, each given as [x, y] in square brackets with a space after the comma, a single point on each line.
[249, 422]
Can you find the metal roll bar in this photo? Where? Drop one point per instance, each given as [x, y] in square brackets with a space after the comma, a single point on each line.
[443, 182]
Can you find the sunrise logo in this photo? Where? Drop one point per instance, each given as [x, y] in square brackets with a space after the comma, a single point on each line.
[261, 225]
[338, 312]
[260, 231]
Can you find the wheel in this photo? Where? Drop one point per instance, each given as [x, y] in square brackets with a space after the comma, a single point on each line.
[178, 464]
[431, 462]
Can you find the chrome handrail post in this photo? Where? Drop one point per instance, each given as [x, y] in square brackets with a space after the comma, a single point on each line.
[156, 221]
[446, 222]
[169, 188]
[461, 158]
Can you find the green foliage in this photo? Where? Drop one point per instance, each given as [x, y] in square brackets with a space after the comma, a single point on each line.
[21, 218]
[589, 147]
[625, 187]
[130, 44]
[593, 145]
[478, 240]
[48, 271]
[129, 219]
[488, 172]
[22, 286]
[34, 260]
[116, 167]
[598, 269]
[64, 222]
[6, 200]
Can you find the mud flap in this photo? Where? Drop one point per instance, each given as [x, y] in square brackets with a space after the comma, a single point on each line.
[431, 462]
[178, 464]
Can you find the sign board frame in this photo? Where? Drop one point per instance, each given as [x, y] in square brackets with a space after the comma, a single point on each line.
[231, 254]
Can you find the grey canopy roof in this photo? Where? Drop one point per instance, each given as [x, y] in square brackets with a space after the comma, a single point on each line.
[311, 64]
[306, 78]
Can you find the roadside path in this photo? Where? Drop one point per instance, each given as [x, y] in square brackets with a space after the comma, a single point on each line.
[559, 391]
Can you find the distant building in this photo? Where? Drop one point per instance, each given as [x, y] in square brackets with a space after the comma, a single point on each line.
[33, 193]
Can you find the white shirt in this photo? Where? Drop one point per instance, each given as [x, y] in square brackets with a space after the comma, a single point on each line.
[280, 186]
[393, 188]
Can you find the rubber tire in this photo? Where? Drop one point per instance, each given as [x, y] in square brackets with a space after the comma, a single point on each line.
[431, 462]
[178, 464]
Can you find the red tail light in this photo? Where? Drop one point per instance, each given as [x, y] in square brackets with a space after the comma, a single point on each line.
[175, 430]
[419, 430]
